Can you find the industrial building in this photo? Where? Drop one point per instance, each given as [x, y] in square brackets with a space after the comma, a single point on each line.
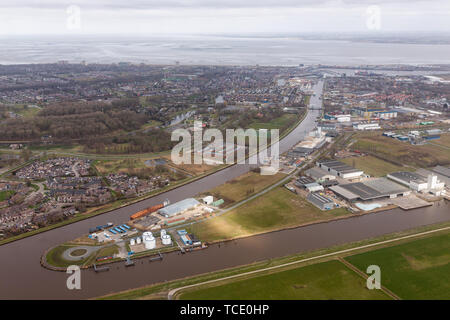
[366, 126]
[387, 114]
[340, 169]
[178, 207]
[370, 190]
[303, 181]
[322, 202]
[313, 187]
[301, 152]
[418, 182]
[319, 174]
[367, 112]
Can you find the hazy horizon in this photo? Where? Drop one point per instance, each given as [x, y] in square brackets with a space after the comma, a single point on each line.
[31, 17]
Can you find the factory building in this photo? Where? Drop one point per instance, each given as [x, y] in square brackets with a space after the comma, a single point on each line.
[412, 180]
[370, 190]
[322, 202]
[418, 182]
[319, 174]
[343, 118]
[303, 181]
[340, 169]
[366, 126]
[178, 207]
[389, 114]
[313, 187]
[367, 112]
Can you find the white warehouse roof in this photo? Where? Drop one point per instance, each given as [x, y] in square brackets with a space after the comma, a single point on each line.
[178, 207]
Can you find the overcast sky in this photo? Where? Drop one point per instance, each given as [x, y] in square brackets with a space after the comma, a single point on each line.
[220, 16]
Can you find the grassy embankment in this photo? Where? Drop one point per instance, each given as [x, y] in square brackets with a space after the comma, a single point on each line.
[326, 280]
[55, 258]
[310, 288]
[418, 269]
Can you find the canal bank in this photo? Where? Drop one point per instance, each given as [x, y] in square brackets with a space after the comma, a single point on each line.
[24, 278]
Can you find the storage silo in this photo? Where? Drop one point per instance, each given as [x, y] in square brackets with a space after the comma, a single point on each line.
[132, 242]
[166, 240]
[149, 240]
[138, 240]
[163, 232]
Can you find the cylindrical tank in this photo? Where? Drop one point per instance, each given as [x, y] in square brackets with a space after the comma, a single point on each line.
[138, 240]
[132, 242]
[163, 232]
[149, 240]
[166, 240]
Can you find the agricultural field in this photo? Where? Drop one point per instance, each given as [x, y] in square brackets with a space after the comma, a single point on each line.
[444, 140]
[427, 155]
[244, 186]
[418, 269]
[326, 280]
[276, 209]
[373, 166]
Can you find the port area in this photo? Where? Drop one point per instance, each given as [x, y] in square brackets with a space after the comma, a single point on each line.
[151, 236]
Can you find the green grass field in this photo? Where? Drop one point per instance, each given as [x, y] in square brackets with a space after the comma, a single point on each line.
[326, 280]
[373, 166]
[444, 140]
[5, 195]
[418, 269]
[276, 209]
[244, 186]
[55, 258]
[402, 152]
[277, 123]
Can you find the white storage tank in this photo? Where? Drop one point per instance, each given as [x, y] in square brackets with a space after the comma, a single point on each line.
[163, 232]
[132, 242]
[138, 240]
[166, 240]
[149, 240]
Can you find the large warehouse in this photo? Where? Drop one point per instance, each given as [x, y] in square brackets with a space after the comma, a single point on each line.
[340, 169]
[370, 190]
[417, 182]
[319, 174]
[322, 202]
[178, 207]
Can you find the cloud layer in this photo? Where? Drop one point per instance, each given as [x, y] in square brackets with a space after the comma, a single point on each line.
[219, 16]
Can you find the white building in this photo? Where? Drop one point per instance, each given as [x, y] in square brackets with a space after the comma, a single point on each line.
[340, 169]
[343, 118]
[418, 182]
[366, 126]
[208, 199]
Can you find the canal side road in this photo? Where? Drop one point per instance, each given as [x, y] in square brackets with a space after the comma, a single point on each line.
[172, 293]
